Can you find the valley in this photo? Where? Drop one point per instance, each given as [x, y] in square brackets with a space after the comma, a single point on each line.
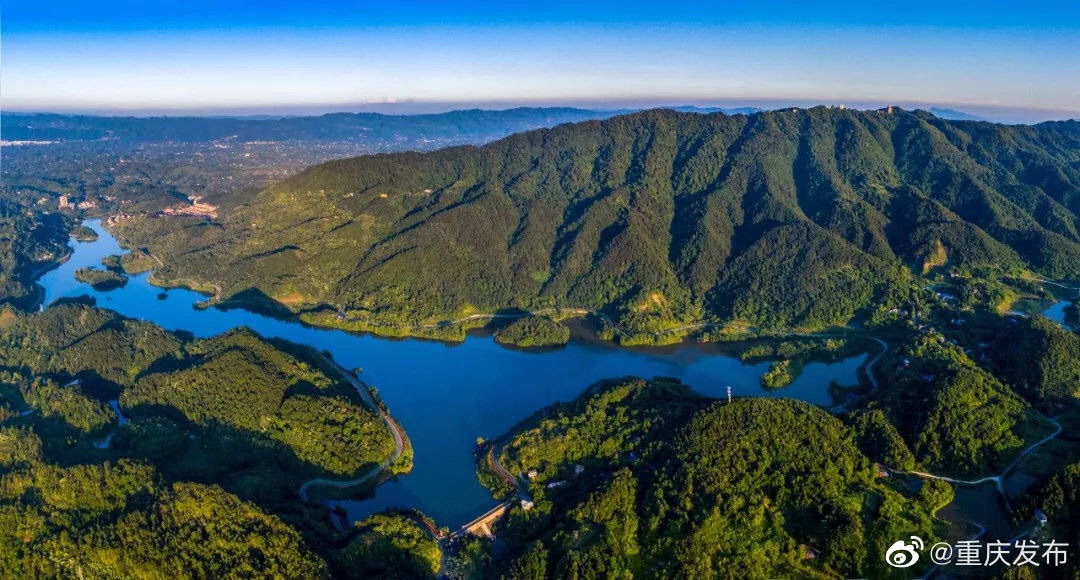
[529, 291]
[461, 392]
[362, 416]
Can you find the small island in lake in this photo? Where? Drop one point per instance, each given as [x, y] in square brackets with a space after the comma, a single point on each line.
[84, 234]
[780, 374]
[101, 279]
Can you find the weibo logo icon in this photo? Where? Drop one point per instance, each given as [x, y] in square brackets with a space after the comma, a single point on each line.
[904, 554]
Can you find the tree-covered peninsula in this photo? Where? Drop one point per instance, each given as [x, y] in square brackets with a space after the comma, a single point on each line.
[640, 476]
[30, 242]
[130, 451]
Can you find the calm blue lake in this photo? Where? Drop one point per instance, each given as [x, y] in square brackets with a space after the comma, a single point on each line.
[445, 396]
[1056, 312]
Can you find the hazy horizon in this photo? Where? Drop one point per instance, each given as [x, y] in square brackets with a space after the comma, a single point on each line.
[1009, 115]
[283, 58]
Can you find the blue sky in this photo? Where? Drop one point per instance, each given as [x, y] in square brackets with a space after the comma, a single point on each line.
[1015, 61]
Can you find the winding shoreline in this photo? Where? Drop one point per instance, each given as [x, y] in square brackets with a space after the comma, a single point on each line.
[400, 441]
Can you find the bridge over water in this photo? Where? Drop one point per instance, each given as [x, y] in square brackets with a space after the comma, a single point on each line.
[482, 525]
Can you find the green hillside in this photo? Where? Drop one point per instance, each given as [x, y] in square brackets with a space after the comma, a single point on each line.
[235, 381]
[1059, 499]
[955, 416]
[1042, 360]
[130, 451]
[29, 243]
[120, 520]
[671, 481]
[785, 219]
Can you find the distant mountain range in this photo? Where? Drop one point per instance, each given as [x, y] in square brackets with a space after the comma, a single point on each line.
[799, 217]
[707, 110]
[953, 115]
[457, 126]
[454, 127]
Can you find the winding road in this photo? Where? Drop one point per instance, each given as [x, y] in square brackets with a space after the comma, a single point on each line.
[1059, 285]
[399, 442]
[499, 469]
[999, 479]
[121, 420]
[870, 364]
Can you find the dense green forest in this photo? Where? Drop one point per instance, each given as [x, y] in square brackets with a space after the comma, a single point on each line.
[282, 396]
[955, 416]
[533, 331]
[795, 218]
[1040, 359]
[671, 481]
[1059, 499]
[122, 520]
[29, 242]
[390, 546]
[101, 279]
[130, 451]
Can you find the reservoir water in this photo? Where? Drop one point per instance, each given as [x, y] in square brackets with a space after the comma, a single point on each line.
[1056, 312]
[445, 396]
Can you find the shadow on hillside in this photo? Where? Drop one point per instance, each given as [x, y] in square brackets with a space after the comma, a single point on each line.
[246, 463]
[255, 300]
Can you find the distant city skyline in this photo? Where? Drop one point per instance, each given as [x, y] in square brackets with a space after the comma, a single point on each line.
[275, 57]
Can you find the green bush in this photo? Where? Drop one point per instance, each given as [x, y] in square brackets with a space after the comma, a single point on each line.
[780, 374]
[390, 546]
[83, 234]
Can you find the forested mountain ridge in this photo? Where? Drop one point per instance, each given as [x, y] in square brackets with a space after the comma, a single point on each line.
[786, 218]
[647, 479]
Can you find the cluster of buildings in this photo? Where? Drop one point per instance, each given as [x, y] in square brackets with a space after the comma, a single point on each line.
[66, 203]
